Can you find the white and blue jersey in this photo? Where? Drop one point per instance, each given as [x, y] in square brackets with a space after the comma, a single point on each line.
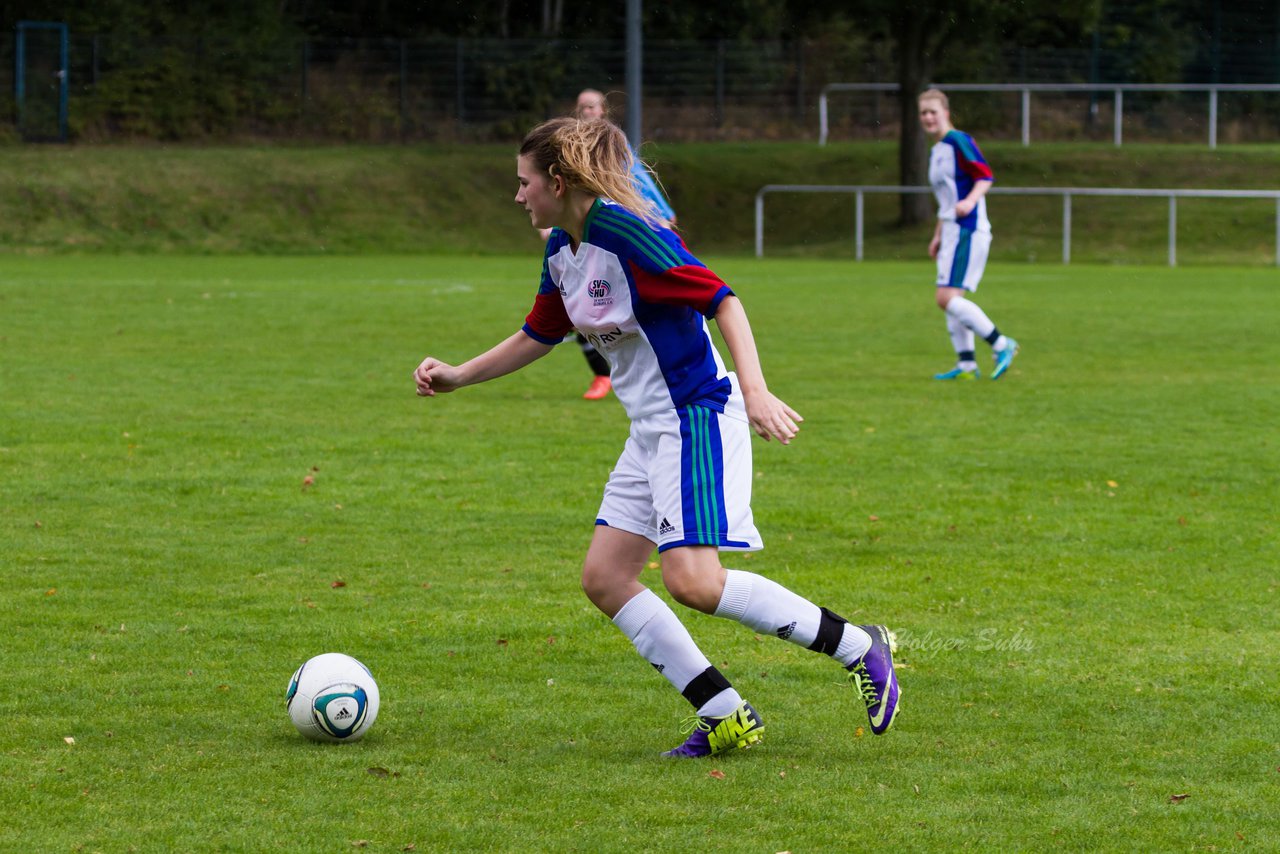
[955, 165]
[635, 291]
[642, 299]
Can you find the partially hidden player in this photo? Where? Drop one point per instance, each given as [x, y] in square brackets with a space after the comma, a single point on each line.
[592, 104]
[960, 178]
[683, 481]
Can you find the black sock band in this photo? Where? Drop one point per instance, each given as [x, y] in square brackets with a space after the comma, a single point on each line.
[704, 686]
[994, 336]
[830, 632]
[965, 356]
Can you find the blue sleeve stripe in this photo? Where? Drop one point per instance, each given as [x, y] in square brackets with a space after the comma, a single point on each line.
[714, 305]
[541, 339]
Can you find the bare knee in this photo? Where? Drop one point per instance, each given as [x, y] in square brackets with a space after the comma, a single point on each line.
[598, 584]
[944, 296]
[696, 584]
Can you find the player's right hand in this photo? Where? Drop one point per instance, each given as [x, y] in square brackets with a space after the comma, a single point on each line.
[434, 377]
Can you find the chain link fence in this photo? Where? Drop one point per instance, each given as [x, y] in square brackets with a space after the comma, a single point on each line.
[125, 88]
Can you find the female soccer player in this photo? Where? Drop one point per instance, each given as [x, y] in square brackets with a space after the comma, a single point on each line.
[961, 178]
[683, 481]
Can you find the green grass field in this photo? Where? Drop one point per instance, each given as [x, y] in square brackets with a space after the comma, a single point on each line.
[1080, 561]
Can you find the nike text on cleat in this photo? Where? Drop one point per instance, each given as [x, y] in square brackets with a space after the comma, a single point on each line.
[873, 677]
[958, 374]
[710, 736]
[1004, 358]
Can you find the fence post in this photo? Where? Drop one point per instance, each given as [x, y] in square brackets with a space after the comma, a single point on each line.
[1118, 118]
[460, 70]
[306, 60]
[1026, 117]
[760, 223]
[822, 117]
[1066, 228]
[404, 84]
[1213, 118]
[858, 226]
[799, 81]
[719, 110]
[1173, 230]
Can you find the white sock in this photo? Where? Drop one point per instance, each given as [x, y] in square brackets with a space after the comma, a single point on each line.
[769, 608]
[972, 316]
[659, 636]
[962, 341]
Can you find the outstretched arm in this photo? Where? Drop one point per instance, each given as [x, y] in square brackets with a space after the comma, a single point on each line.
[769, 416]
[436, 377]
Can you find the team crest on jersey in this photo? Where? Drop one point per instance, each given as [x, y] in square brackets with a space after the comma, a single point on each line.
[598, 290]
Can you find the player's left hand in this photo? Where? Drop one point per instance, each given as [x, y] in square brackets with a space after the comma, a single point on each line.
[771, 418]
[963, 207]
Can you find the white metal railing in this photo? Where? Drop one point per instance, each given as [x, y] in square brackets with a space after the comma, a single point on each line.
[859, 192]
[1117, 90]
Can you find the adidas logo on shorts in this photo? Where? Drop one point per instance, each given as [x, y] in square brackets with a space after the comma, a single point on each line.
[666, 527]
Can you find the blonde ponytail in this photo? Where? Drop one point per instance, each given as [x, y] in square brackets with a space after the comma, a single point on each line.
[591, 156]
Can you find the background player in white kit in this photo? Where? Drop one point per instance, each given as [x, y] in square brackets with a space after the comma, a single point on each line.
[683, 481]
[960, 178]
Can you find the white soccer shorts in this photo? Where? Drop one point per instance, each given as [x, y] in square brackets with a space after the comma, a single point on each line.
[684, 479]
[962, 257]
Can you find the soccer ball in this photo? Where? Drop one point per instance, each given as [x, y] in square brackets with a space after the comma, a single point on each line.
[332, 697]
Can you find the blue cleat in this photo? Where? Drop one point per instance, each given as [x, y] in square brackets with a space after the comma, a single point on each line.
[712, 736]
[1004, 358]
[958, 374]
[873, 677]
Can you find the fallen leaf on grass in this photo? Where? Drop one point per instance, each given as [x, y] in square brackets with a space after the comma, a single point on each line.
[1182, 520]
[1112, 484]
[1177, 799]
[716, 773]
[338, 583]
[383, 772]
[359, 843]
[51, 591]
[308, 481]
[69, 740]
[858, 732]
[873, 518]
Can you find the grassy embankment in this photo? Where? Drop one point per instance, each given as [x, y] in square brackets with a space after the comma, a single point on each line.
[451, 199]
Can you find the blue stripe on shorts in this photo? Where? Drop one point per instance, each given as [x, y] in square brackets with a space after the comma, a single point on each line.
[960, 261]
[702, 477]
